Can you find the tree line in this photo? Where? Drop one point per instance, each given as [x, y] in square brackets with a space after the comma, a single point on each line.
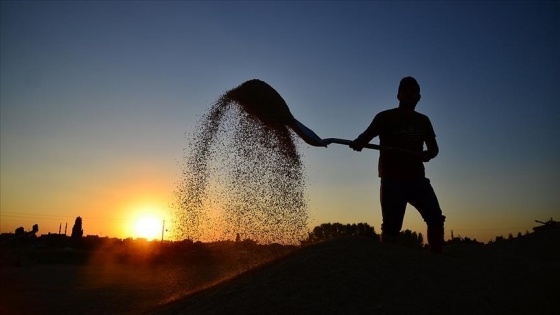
[328, 231]
[322, 232]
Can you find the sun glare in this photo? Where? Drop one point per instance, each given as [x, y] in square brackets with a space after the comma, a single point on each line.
[148, 226]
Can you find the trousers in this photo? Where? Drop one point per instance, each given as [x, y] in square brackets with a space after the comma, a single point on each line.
[396, 194]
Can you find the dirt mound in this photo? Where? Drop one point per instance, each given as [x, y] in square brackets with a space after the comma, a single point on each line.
[543, 245]
[361, 276]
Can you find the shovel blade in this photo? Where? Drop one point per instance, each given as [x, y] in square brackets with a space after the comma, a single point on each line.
[307, 134]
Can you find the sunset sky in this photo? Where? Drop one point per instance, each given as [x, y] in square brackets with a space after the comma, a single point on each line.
[98, 100]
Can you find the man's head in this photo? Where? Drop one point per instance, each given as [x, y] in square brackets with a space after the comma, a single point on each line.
[409, 92]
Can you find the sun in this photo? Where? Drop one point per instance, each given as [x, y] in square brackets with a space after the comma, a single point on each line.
[147, 226]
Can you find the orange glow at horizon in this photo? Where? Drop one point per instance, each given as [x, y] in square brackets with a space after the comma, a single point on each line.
[145, 221]
[148, 226]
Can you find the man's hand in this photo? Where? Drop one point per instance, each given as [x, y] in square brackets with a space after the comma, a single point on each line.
[356, 146]
[427, 156]
[433, 150]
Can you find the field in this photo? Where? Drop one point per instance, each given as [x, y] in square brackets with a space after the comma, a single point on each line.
[119, 279]
[349, 275]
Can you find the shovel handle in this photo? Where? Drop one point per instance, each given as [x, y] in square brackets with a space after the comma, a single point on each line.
[348, 142]
[368, 146]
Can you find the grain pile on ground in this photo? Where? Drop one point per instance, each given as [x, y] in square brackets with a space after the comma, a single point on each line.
[346, 276]
[358, 276]
[243, 174]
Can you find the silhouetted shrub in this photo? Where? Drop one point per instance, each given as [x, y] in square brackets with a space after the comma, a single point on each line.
[463, 240]
[327, 231]
[20, 231]
[412, 239]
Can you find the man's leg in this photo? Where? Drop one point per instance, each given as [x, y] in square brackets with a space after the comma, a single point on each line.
[393, 206]
[424, 199]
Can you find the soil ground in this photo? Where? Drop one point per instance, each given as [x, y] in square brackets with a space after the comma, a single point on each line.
[354, 275]
[362, 277]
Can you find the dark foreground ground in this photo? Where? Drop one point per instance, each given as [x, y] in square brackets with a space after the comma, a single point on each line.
[357, 276]
[343, 276]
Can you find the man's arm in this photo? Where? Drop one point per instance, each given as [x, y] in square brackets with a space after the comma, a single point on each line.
[432, 149]
[366, 136]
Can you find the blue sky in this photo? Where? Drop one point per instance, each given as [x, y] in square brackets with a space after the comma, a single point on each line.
[98, 99]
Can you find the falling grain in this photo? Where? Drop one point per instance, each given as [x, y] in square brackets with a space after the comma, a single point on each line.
[243, 173]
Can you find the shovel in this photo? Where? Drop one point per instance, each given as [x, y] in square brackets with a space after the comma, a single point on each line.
[262, 101]
[313, 139]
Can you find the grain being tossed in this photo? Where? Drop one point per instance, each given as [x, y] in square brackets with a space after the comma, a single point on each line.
[243, 174]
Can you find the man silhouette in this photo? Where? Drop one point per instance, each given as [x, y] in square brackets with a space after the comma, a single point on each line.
[402, 173]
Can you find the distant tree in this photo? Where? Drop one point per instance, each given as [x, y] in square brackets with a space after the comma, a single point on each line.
[35, 229]
[365, 230]
[20, 231]
[510, 236]
[463, 240]
[77, 230]
[238, 238]
[519, 234]
[412, 239]
[22, 234]
[327, 231]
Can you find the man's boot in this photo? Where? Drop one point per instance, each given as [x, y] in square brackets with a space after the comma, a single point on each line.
[435, 239]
